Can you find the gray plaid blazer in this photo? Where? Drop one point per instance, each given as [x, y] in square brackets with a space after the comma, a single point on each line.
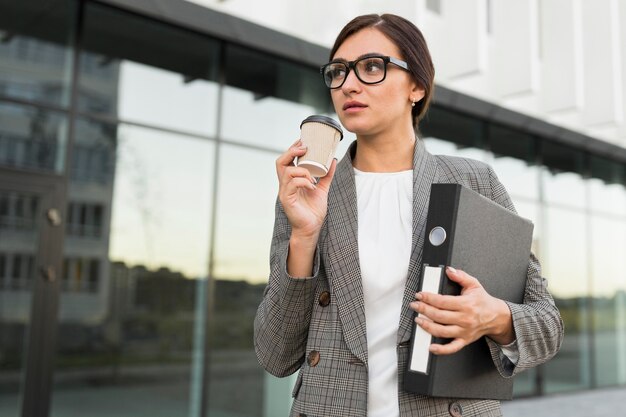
[316, 325]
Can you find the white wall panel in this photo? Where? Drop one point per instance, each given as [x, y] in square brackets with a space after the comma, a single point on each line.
[601, 99]
[561, 55]
[457, 38]
[621, 135]
[515, 59]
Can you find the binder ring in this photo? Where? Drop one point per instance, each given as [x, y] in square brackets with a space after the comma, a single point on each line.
[437, 236]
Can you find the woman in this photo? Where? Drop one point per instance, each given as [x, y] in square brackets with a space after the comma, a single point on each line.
[346, 250]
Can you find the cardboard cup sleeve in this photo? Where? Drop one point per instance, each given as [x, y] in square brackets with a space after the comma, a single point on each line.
[321, 135]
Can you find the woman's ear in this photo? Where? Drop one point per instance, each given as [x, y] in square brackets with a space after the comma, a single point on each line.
[417, 93]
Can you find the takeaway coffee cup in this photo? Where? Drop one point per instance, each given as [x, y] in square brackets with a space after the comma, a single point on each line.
[321, 135]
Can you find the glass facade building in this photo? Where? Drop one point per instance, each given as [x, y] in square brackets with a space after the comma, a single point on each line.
[137, 191]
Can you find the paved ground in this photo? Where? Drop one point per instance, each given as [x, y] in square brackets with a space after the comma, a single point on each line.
[597, 403]
[164, 392]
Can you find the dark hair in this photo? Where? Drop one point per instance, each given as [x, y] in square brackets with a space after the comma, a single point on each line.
[412, 45]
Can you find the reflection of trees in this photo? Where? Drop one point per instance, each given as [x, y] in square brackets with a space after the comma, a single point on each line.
[132, 162]
[151, 320]
[606, 312]
[236, 303]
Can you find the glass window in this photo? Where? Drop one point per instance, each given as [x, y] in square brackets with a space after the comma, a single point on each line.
[138, 70]
[565, 263]
[514, 157]
[606, 187]
[449, 125]
[133, 314]
[565, 250]
[35, 52]
[22, 239]
[562, 180]
[271, 97]
[437, 146]
[247, 193]
[32, 138]
[608, 288]
[520, 179]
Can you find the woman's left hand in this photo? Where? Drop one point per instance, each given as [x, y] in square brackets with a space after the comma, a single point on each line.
[464, 318]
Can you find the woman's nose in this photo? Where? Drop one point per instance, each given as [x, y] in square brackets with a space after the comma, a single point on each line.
[352, 83]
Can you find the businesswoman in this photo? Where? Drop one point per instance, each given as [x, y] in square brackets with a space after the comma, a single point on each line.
[346, 249]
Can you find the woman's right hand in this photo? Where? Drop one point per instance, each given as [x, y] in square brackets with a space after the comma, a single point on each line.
[304, 201]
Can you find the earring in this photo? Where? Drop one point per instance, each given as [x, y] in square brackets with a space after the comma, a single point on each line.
[412, 102]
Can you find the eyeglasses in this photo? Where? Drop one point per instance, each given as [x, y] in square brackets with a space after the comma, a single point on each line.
[371, 69]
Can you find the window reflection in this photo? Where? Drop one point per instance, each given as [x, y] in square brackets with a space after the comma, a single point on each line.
[565, 263]
[562, 181]
[439, 146]
[566, 188]
[247, 194]
[454, 127]
[436, 146]
[35, 57]
[32, 138]
[608, 239]
[134, 272]
[137, 70]
[607, 198]
[270, 122]
[245, 216]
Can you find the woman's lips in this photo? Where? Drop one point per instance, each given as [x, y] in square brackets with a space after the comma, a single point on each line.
[353, 106]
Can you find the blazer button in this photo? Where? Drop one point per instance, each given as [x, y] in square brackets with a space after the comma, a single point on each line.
[455, 409]
[324, 299]
[302, 415]
[314, 358]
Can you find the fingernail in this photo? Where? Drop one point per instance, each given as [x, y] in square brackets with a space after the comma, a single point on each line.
[419, 321]
[418, 296]
[451, 269]
[313, 180]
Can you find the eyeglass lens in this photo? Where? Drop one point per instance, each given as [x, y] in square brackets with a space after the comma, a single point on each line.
[369, 70]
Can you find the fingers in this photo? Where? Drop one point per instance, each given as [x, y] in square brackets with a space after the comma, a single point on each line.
[295, 183]
[449, 348]
[462, 278]
[437, 329]
[325, 181]
[443, 302]
[444, 332]
[286, 158]
[295, 172]
[435, 314]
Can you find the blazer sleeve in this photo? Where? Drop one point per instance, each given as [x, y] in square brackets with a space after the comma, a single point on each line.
[537, 321]
[282, 320]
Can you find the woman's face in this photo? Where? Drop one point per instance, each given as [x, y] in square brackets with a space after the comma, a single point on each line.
[370, 109]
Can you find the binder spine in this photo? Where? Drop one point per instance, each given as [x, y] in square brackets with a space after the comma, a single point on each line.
[438, 240]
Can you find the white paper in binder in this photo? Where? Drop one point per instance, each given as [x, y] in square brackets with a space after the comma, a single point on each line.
[420, 356]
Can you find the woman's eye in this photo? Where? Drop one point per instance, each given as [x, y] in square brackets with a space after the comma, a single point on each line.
[338, 72]
[373, 66]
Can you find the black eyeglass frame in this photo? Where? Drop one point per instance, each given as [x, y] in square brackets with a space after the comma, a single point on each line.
[351, 65]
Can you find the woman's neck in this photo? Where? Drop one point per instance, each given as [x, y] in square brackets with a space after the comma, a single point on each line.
[384, 154]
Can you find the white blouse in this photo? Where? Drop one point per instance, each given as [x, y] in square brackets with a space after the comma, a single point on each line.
[385, 216]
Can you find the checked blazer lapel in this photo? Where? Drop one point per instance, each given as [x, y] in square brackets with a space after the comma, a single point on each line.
[344, 272]
[425, 173]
